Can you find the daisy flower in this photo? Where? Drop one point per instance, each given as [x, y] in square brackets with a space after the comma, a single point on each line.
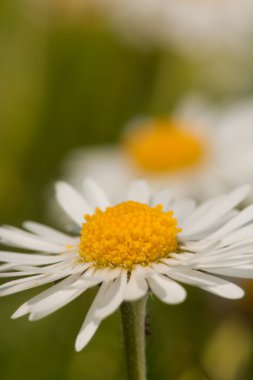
[199, 151]
[189, 25]
[143, 244]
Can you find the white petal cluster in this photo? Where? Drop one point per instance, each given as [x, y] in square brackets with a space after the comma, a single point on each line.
[216, 240]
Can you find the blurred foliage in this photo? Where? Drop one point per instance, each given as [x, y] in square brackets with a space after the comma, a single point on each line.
[66, 84]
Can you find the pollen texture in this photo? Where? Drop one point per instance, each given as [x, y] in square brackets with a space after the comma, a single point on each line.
[128, 234]
[163, 146]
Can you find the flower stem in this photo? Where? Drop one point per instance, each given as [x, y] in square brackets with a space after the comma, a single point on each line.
[133, 319]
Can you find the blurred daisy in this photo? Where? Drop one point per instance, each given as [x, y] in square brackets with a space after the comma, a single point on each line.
[143, 244]
[199, 151]
[199, 26]
[215, 35]
[223, 25]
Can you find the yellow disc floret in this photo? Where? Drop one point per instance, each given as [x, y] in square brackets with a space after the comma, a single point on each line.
[128, 234]
[163, 146]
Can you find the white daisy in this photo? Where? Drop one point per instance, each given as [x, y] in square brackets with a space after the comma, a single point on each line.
[130, 249]
[199, 26]
[207, 26]
[199, 151]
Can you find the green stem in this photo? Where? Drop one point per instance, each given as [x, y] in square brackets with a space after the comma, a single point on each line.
[133, 319]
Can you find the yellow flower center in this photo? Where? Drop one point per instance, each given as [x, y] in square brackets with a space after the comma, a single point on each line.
[128, 234]
[163, 146]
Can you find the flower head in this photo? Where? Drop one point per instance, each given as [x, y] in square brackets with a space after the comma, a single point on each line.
[143, 244]
[128, 234]
[163, 146]
[201, 150]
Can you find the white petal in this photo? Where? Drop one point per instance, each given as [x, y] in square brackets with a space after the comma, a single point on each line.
[230, 264]
[66, 268]
[241, 272]
[166, 290]
[217, 211]
[49, 233]
[22, 239]
[227, 290]
[202, 210]
[90, 324]
[5, 267]
[207, 282]
[239, 220]
[113, 297]
[243, 249]
[18, 274]
[59, 298]
[139, 192]
[95, 195]
[141, 271]
[239, 235]
[86, 333]
[31, 258]
[182, 209]
[16, 286]
[105, 274]
[136, 288]
[162, 267]
[226, 260]
[161, 197]
[192, 277]
[72, 202]
[22, 310]
[25, 308]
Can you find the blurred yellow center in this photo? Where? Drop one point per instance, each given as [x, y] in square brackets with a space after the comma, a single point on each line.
[163, 146]
[128, 234]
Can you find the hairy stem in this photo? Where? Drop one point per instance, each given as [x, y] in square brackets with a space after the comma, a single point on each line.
[133, 319]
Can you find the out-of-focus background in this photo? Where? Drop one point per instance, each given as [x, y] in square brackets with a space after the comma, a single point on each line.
[72, 74]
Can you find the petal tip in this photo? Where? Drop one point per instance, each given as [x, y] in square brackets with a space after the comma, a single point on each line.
[79, 345]
[20, 312]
